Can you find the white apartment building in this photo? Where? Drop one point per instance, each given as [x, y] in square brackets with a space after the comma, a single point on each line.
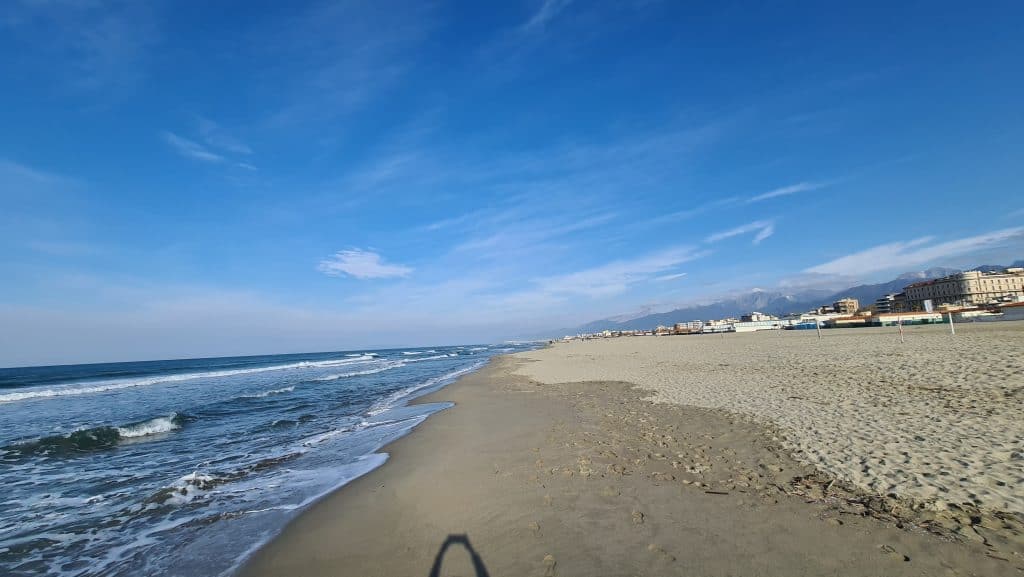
[969, 288]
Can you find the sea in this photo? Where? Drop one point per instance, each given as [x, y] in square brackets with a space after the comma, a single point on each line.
[186, 467]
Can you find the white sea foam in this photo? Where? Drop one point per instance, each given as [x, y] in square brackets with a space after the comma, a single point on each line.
[189, 488]
[151, 427]
[433, 358]
[381, 369]
[393, 399]
[113, 385]
[268, 393]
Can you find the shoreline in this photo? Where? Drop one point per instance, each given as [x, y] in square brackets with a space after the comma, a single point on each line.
[581, 479]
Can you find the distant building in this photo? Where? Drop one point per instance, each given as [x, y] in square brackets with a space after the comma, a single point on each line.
[846, 306]
[688, 328]
[755, 317]
[969, 288]
[885, 304]
[912, 318]
[892, 303]
[847, 322]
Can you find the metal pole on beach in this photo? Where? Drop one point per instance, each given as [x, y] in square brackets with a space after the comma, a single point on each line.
[817, 325]
[899, 323]
[952, 330]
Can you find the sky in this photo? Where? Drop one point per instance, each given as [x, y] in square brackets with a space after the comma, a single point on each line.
[183, 179]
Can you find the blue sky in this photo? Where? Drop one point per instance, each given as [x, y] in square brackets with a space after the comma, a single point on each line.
[181, 180]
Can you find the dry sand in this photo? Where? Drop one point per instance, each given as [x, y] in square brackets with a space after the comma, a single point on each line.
[589, 479]
[938, 419]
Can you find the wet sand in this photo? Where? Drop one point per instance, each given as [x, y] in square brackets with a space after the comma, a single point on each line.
[589, 478]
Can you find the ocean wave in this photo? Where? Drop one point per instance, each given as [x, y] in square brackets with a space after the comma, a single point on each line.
[95, 438]
[113, 385]
[433, 358]
[381, 369]
[152, 427]
[268, 393]
[185, 490]
[197, 484]
[391, 400]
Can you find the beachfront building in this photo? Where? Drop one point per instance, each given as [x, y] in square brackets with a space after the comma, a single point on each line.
[756, 317]
[762, 325]
[971, 288]
[688, 328]
[846, 306]
[892, 303]
[914, 318]
[719, 326]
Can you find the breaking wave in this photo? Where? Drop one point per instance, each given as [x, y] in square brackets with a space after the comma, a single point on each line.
[113, 385]
[433, 358]
[268, 393]
[95, 438]
[380, 369]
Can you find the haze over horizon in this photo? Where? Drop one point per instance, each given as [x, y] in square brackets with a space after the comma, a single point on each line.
[185, 181]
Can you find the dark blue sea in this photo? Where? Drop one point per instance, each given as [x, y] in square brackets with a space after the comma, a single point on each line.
[185, 467]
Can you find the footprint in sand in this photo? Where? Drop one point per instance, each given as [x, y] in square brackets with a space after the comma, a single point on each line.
[892, 552]
[661, 552]
[549, 565]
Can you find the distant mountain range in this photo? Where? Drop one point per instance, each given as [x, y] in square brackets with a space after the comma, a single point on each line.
[776, 303]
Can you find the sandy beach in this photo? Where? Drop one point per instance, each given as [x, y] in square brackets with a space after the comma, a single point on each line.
[758, 454]
[937, 419]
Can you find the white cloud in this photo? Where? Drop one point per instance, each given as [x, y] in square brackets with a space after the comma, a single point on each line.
[529, 234]
[217, 137]
[787, 190]
[548, 10]
[669, 277]
[616, 277]
[361, 264]
[764, 229]
[191, 149]
[914, 252]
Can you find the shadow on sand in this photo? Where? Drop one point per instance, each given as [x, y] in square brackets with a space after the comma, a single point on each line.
[478, 563]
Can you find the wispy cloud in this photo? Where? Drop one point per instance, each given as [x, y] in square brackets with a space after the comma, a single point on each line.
[549, 9]
[216, 136]
[919, 251]
[763, 228]
[669, 277]
[618, 276]
[12, 173]
[529, 233]
[90, 45]
[217, 146]
[361, 264]
[341, 55]
[787, 190]
[191, 149]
